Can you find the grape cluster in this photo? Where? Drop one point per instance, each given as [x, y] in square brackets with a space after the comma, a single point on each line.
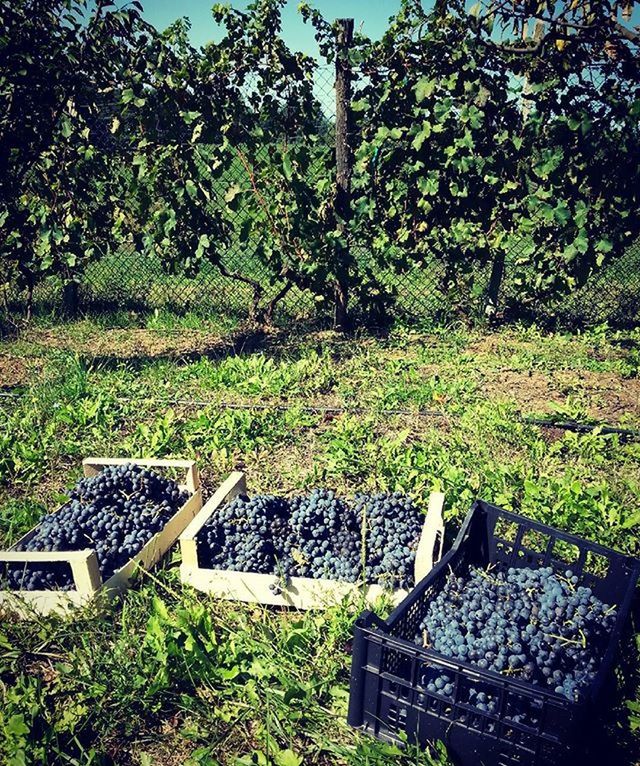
[393, 525]
[115, 513]
[316, 535]
[534, 624]
[441, 684]
[324, 540]
[244, 535]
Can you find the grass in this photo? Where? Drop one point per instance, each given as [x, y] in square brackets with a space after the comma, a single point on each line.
[167, 676]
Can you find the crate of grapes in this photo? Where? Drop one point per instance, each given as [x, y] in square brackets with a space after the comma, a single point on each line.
[122, 515]
[309, 551]
[503, 652]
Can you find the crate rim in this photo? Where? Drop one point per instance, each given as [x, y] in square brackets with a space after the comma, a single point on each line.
[541, 526]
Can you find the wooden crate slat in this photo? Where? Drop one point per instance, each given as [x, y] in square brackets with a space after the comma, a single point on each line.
[31, 604]
[157, 546]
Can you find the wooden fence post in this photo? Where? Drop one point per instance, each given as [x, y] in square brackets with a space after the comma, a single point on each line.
[343, 166]
[495, 283]
[70, 298]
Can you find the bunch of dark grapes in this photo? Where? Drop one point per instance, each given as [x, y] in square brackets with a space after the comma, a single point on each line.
[324, 540]
[115, 513]
[317, 536]
[528, 623]
[245, 535]
[49, 576]
[393, 525]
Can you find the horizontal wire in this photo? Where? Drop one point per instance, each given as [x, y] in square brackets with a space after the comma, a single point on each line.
[314, 409]
[570, 425]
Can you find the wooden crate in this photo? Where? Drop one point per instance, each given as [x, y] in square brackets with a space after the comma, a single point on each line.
[84, 564]
[300, 592]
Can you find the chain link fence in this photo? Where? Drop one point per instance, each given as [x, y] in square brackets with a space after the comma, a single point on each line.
[133, 280]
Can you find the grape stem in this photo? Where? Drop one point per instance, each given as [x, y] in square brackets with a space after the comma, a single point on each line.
[565, 639]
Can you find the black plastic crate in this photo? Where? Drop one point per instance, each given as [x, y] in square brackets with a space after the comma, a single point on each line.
[389, 676]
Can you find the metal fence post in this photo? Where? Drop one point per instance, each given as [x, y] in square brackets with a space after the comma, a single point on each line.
[343, 169]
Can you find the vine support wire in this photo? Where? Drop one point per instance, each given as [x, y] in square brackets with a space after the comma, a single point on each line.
[627, 434]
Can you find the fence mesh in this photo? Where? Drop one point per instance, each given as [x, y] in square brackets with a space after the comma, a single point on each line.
[133, 280]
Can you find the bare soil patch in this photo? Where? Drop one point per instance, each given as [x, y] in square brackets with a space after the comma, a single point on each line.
[17, 372]
[131, 344]
[606, 396]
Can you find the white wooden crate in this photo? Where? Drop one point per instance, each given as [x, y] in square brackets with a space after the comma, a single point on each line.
[300, 592]
[84, 564]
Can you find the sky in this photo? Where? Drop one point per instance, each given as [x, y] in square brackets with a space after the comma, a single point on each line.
[371, 16]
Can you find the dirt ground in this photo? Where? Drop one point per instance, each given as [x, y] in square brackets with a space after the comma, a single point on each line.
[16, 371]
[604, 395]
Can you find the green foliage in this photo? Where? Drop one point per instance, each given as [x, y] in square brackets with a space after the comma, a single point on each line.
[16, 516]
[165, 672]
[260, 375]
[471, 151]
[173, 118]
[57, 62]
[284, 158]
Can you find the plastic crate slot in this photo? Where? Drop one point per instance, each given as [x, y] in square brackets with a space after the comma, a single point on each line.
[412, 618]
[506, 530]
[565, 551]
[534, 541]
[396, 691]
[460, 714]
[394, 662]
[393, 718]
[476, 721]
[484, 697]
[504, 549]
[523, 711]
[596, 565]
[533, 560]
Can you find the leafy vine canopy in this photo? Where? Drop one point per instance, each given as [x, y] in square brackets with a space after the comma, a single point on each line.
[500, 131]
[485, 133]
